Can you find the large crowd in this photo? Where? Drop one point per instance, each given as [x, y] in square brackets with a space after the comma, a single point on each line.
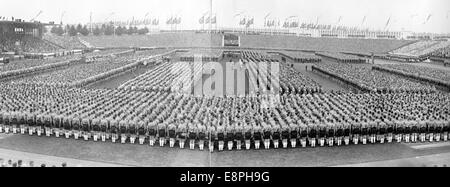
[231, 122]
[66, 42]
[365, 77]
[26, 44]
[421, 48]
[440, 77]
[79, 73]
[168, 76]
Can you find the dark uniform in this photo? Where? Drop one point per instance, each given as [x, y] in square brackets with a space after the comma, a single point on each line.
[123, 128]
[312, 134]
[57, 125]
[96, 128]
[86, 128]
[114, 130]
[48, 125]
[152, 132]
[7, 122]
[67, 125]
[104, 129]
[142, 132]
[2, 126]
[76, 126]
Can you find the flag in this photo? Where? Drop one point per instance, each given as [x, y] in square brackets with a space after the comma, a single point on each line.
[208, 19]
[364, 20]
[339, 19]
[177, 20]
[249, 22]
[202, 20]
[169, 21]
[155, 22]
[214, 20]
[428, 18]
[387, 23]
[242, 22]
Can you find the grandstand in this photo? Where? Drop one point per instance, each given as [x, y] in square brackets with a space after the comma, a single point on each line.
[420, 50]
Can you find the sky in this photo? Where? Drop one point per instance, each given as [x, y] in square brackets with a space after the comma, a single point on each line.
[407, 15]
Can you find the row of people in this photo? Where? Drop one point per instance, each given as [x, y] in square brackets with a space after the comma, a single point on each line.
[134, 108]
[79, 73]
[330, 133]
[367, 78]
[440, 77]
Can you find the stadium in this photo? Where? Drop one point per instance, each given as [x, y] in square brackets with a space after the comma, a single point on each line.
[122, 93]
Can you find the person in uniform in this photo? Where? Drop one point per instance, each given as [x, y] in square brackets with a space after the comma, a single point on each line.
[142, 132]
[96, 129]
[220, 136]
[399, 129]
[257, 135]
[381, 132]
[192, 129]
[347, 132]
[86, 128]
[276, 134]
[331, 131]
[201, 135]
[423, 130]
[390, 130]
[312, 134]
[20, 122]
[132, 130]
[172, 134]
[7, 121]
[356, 131]
[267, 133]
[339, 133]
[66, 124]
[2, 126]
[23, 123]
[76, 127]
[39, 124]
[57, 125]
[14, 122]
[211, 129]
[438, 130]
[229, 133]
[162, 129]
[414, 130]
[114, 125]
[103, 129]
[407, 131]
[248, 133]
[152, 132]
[182, 131]
[364, 131]
[285, 131]
[294, 131]
[446, 129]
[322, 134]
[48, 125]
[431, 125]
[373, 129]
[123, 128]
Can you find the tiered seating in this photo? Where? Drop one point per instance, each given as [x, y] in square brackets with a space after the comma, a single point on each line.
[67, 42]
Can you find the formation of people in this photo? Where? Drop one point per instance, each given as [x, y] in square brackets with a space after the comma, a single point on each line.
[224, 122]
[365, 77]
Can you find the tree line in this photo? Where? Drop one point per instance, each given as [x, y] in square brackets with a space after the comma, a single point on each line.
[105, 29]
